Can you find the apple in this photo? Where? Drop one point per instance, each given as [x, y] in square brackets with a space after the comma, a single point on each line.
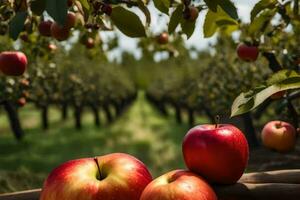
[163, 38]
[90, 43]
[279, 135]
[24, 37]
[179, 185]
[247, 53]
[191, 13]
[71, 20]
[59, 32]
[218, 153]
[114, 176]
[45, 28]
[278, 95]
[107, 9]
[13, 63]
[22, 101]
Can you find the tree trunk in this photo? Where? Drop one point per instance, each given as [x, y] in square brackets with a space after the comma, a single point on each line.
[108, 113]
[64, 111]
[250, 130]
[13, 120]
[95, 111]
[45, 121]
[117, 109]
[178, 114]
[191, 117]
[77, 116]
[162, 108]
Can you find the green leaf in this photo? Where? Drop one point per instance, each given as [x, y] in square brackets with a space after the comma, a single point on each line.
[210, 27]
[229, 8]
[85, 4]
[246, 102]
[16, 25]
[161, 5]
[282, 75]
[212, 4]
[127, 22]
[259, 24]
[225, 22]
[167, 3]
[175, 18]
[188, 27]
[261, 5]
[215, 20]
[38, 6]
[58, 10]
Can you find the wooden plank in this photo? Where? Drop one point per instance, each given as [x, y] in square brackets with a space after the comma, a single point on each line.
[275, 185]
[279, 176]
[262, 191]
[23, 195]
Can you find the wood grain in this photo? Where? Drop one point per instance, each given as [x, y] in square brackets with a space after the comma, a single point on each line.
[275, 185]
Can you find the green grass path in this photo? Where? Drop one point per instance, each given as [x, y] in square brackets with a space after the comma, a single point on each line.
[141, 131]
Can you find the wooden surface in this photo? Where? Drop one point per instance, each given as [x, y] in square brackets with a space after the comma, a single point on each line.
[273, 185]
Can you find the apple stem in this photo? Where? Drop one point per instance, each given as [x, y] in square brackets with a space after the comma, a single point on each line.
[217, 121]
[100, 175]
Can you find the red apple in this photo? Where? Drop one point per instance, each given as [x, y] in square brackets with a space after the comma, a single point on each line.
[13, 63]
[107, 9]
[59, 32]
[178, 185]
[22, 101]
[45, 28]
[279, 135]
[247, 53]
[278, 95]
[111, 177]
[71, 20]
[90, 43]
[219, 153]
[163, 38]
[191, 13]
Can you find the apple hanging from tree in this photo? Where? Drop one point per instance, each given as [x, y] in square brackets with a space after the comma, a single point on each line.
[279, 135]
[191, 13]
[219, 153]
[247, 52]
[13, 63]
[62, 33]
[163, 38]
[22, 101]
[110, 177]
[45, 28]
[178, 185]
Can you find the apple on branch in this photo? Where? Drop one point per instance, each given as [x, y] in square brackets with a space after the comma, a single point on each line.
[13, 63]
[247, 53]
[218, 153]
[110, 177]
[179, 185]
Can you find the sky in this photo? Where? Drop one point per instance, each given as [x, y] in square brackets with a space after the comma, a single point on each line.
[158, 24]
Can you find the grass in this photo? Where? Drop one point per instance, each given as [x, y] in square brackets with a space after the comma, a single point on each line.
[141, 131]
